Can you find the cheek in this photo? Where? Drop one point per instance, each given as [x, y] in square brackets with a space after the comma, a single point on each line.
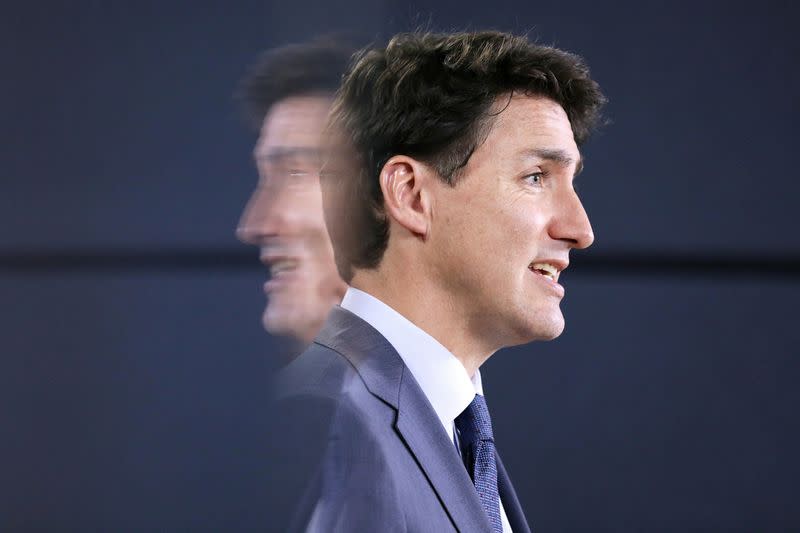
[526, 221]
[471, 248]
[511, 241]
[510, 231]
[305, 208]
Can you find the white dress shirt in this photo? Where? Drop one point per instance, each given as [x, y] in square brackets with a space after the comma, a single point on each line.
[442, 377]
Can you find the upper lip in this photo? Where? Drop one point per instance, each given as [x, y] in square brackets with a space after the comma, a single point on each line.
[270, 258]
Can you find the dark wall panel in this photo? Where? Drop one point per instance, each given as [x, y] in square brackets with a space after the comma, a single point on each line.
[665, 406]
[119, 123]
[133, 402]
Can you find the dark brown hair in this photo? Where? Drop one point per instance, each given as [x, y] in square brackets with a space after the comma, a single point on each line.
[430, 97]
[315, 67]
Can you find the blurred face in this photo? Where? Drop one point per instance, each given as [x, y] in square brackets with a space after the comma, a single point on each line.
[284, 219]
[501, 237]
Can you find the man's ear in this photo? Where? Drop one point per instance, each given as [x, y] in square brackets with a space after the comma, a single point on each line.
[405, 185]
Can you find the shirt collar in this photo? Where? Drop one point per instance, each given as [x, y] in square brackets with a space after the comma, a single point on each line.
[442, 377]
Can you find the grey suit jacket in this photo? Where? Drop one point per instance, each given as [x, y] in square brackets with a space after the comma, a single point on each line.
[382, 460]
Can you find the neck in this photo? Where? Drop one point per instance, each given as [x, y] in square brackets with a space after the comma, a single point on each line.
[428, 308]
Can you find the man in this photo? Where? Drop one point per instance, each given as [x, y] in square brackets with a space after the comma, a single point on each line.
[288, 94]
[452, 220]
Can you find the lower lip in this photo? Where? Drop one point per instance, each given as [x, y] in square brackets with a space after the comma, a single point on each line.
[553, 286]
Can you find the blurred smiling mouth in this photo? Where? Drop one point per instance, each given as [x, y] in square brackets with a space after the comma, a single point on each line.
[282, 271]
[282, 267]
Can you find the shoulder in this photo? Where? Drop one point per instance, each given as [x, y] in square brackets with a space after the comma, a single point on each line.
[319, 370]
[334, 443]
[323, 385]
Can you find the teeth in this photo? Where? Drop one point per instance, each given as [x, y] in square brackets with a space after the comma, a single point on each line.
[546, 269]
[282, 266]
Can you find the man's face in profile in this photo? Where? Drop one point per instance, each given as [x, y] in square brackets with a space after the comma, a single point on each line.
[284, 218]
[506, 228]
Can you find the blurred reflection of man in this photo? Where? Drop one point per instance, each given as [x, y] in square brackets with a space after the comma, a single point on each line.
[288, 94]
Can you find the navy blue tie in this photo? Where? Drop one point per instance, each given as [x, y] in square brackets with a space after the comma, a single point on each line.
[477, 442]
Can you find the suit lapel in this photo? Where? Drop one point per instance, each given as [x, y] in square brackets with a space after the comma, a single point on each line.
[386, 376]
[516, 517]
[422, 432]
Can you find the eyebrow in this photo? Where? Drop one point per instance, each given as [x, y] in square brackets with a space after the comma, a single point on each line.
[556, 155]
[279, 154]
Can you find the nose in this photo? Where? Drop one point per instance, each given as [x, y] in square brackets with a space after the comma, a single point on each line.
[571, 222]
[263, 216]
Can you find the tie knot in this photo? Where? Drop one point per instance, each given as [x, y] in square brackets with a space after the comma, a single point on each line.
[474, 422]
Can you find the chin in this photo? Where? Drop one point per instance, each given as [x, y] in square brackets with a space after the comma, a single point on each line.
[550, 331]
[543, 326]
[289, 321]
[276, 320]
[554, 327]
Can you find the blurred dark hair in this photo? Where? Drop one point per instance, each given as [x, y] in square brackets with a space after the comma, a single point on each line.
[314, 67]
[430, 96]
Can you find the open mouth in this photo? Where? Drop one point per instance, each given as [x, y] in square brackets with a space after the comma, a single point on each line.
[283, 272]
[545, 269]
[282, 267]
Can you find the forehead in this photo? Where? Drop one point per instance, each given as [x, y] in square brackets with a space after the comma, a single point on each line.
[526, 123]
[294, 122]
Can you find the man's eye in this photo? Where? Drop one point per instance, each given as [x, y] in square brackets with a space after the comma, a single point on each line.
[535, 179]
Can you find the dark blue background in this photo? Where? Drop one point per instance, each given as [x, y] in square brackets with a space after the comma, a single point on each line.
[133, 364]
